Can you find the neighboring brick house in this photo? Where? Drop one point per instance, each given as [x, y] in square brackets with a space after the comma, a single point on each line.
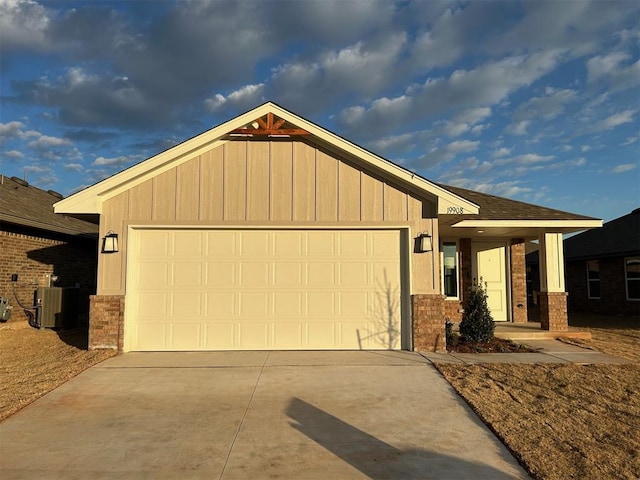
[603, 268]
[35, 243]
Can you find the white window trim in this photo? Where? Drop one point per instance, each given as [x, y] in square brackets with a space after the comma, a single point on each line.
[626, 278]
[446, 297]
[589, 280]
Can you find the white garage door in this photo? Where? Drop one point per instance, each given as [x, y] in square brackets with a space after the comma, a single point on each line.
[259, 289]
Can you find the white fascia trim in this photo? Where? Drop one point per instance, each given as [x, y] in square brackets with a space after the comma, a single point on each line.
[529, 223]
[90, 199]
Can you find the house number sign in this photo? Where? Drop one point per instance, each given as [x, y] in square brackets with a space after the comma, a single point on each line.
[455, 210]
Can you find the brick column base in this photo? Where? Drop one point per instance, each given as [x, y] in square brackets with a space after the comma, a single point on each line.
[553, 311]
[428, 323]
[106, 319]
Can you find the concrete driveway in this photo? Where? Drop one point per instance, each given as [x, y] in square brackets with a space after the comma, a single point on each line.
[241, 415]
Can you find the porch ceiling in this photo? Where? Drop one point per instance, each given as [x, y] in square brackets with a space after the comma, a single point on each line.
[457, 226]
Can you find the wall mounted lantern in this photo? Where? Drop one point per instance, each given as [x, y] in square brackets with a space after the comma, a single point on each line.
[424, 242]
[110, 242]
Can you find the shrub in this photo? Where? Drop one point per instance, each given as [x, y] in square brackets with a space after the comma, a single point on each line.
[477, 322]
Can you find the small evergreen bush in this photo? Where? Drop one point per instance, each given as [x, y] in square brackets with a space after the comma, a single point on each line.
[477, 323]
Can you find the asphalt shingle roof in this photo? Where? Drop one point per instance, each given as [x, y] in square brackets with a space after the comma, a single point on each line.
[29, 206]
[618, 237]
[499, 208]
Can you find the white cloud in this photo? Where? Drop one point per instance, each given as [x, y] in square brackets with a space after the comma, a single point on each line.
[525, 159]
[123, 160]
[616, 120]
[13, 154]
[484, 86]
[11, 130]
[23, 24]
[610, 69]
[624, 167]
[76, 167]
[242, 98]
[501, 152]
[519, 128]
[448, 152]
[46, 142]
[548, 106]
[585, 148]
[629, 141]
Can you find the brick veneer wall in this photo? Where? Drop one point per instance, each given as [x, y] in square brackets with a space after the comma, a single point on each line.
[613, 294]
[106, 326]
[553, 311]
[34, 254]
[518, 272]
[428, 322]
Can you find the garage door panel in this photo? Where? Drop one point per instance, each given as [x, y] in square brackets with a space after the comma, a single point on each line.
[150, 304]
[219, 333]
[253, 335]
[221, 304]
[189, 243]
[287, 274]
[254, 304]
[151, 275]
[221, 275]
[321, 274]
[259, 289]
[321, 335]
[187, 274]
[185, 304]
[151, 336]
[320, 244]
[185, 335]
[222, 243]
[287, 335]
[321, 304]
[254, 274]
[288, 304]
[353, 243]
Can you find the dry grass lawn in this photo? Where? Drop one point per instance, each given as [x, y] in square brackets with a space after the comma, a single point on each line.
[565, 421]
[34, 362]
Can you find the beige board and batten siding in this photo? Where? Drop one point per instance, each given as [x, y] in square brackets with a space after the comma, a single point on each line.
[279, 182]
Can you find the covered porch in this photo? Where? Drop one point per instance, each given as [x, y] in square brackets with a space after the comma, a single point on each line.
[491, 246]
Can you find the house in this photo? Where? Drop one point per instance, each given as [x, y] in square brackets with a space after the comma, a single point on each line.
[270, 232]
[42, 248]
[603, 268]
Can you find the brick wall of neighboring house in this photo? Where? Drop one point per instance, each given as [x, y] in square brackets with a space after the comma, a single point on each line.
[613, 293]
[34, 254]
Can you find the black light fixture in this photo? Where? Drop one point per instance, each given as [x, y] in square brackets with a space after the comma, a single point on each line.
[424, 242]
[110, 242]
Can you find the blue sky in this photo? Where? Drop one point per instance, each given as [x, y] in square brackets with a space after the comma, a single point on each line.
[536, 101]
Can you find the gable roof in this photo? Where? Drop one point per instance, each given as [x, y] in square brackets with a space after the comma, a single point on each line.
[618, 237]
[25, 205]
[90, 200]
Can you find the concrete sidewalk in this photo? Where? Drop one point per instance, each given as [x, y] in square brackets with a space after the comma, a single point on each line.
[238, 415]
[549, 351]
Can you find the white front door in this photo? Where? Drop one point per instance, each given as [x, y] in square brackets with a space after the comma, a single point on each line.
[489, 266]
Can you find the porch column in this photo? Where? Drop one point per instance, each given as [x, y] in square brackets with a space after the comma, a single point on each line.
[518, 272]
[553, 297]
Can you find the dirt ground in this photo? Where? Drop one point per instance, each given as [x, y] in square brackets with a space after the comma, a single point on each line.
[565, 421]
[34, 362]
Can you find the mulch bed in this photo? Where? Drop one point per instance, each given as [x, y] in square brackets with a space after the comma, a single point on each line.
[495, 345]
